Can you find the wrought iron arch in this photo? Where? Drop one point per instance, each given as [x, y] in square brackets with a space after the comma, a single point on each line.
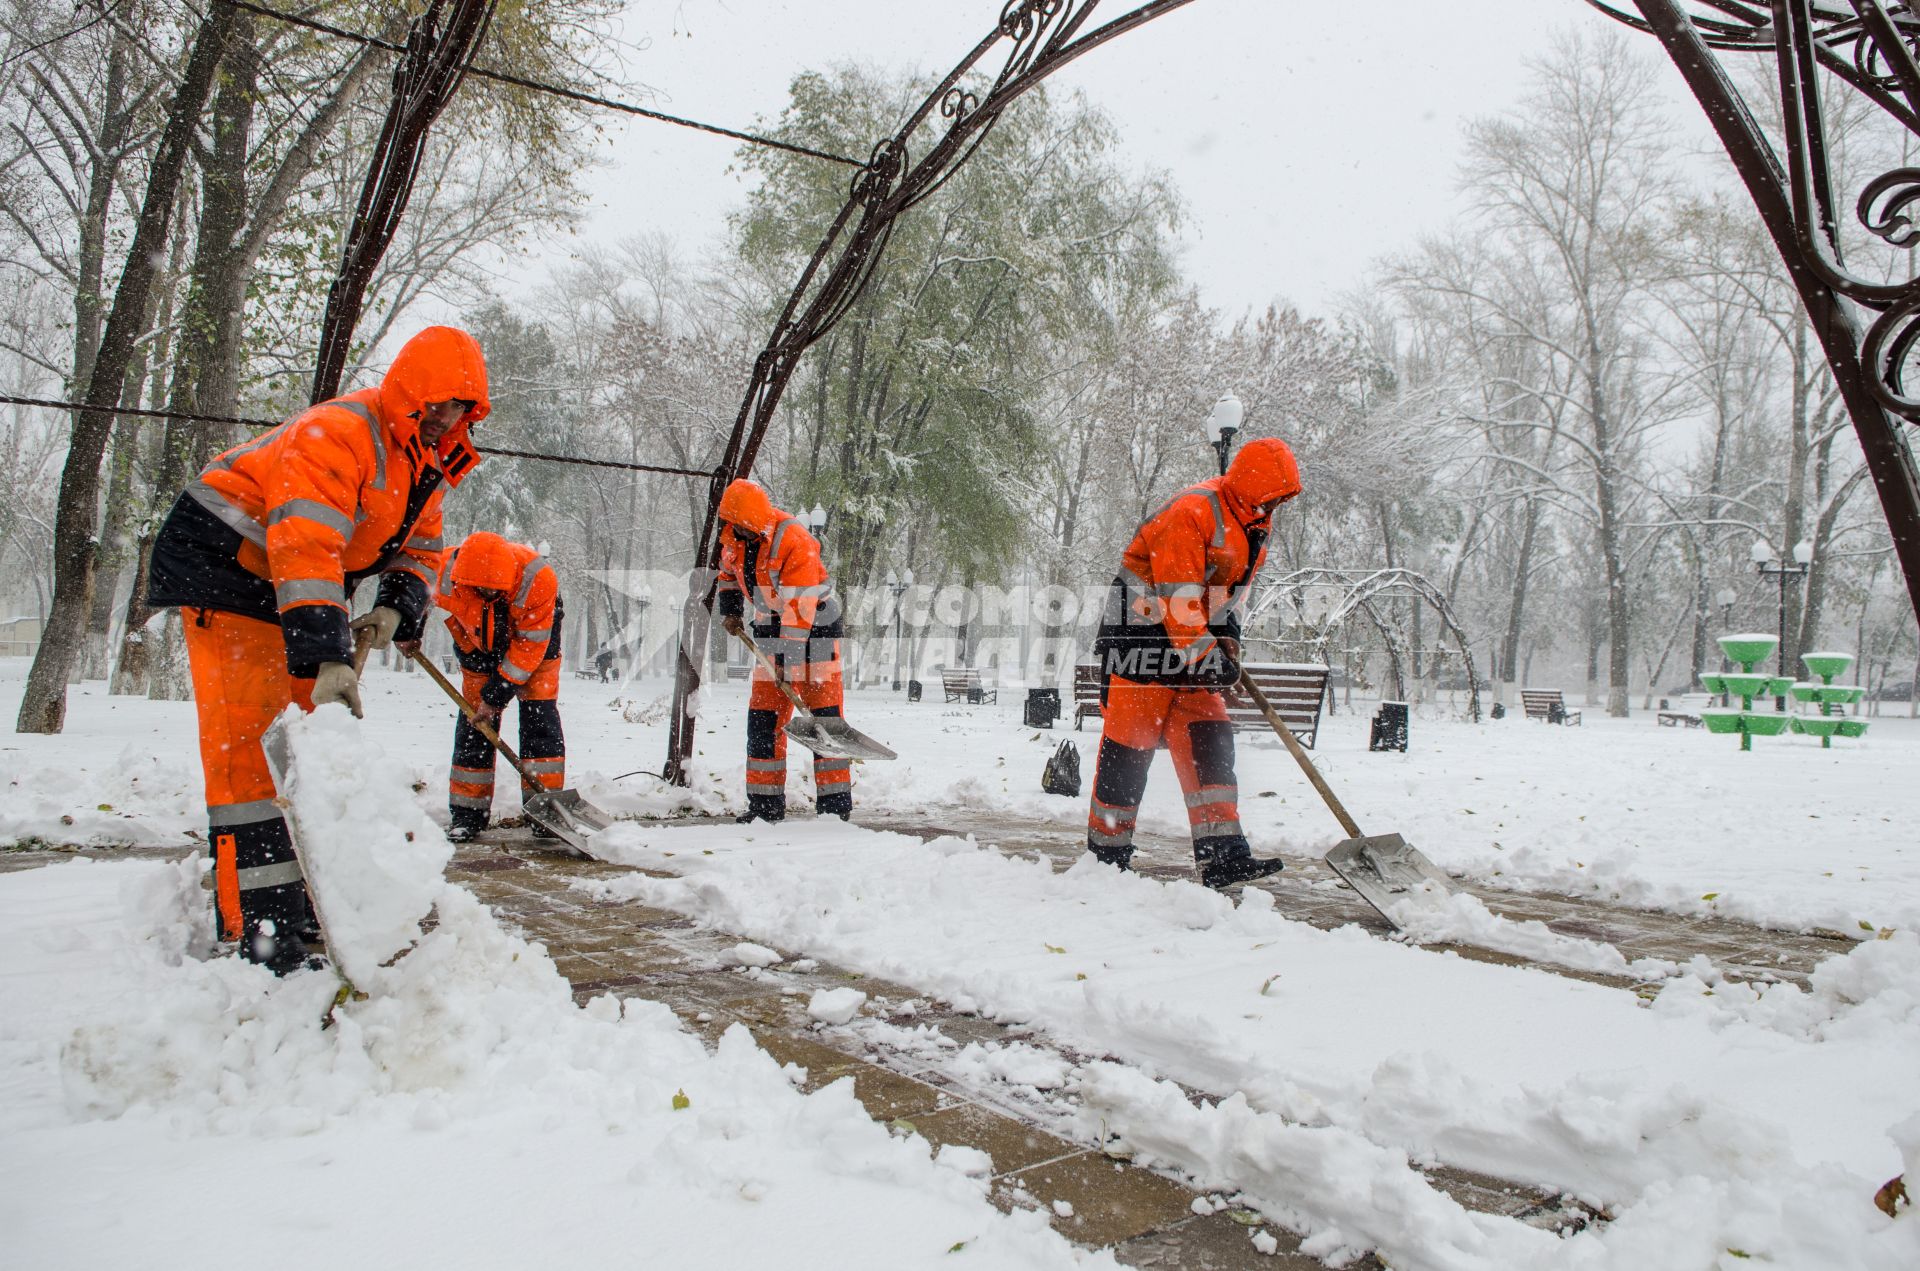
[1043, 35]
[1869, 329]
[1361, 589]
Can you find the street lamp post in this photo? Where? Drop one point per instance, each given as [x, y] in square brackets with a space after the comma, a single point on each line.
[637, 638]
[1781, 571]
[1726, 596]
[1223, 421]
[897, 584]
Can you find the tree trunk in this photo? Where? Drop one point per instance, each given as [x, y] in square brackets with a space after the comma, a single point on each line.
[43, 706]
[1517, 603]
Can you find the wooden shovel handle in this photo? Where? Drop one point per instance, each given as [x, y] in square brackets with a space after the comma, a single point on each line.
[466, 708]
[774, 671]
[1299, 752]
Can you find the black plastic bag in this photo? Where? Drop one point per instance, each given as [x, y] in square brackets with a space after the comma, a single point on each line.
[1062, 773]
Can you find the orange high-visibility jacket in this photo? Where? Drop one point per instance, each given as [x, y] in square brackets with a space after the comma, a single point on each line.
[771, 568]
[509, 634]
[1187, 570]
[342, 491]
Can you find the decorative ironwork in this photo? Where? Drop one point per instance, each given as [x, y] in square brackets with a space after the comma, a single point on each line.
[1359, 589]
[1870, 45]
[424, 81]
[1045, 35]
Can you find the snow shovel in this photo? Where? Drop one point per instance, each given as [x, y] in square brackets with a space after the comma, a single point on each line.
[279, 756]
[1383, 868]
[822, 734]
[571, 818]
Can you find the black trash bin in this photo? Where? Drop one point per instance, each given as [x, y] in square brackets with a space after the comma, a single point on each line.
[1389, 727]
[1043, 707]
[913, 690]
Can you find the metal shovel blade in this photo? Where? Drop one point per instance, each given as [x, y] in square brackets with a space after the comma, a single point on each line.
[1384, 869]
[835, 737]
[567, 815]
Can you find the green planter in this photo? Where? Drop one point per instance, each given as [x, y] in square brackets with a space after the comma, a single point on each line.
[1714, 683]
[1747, 685]
[1853, 728]
[1759, 725]
[1749, 648]
[1839, 695]
[1806, 691]
[1827, 665]
[1779, 686]
[1817, 725]
[1721, 721]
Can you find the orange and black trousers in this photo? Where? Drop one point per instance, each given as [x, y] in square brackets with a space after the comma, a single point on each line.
[543, 746]
[812, 668]
[240, 684]
[1192, 724]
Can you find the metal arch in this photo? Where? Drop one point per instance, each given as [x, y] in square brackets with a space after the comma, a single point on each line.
[1868, 329]
[1361, 591]
[1043, 36]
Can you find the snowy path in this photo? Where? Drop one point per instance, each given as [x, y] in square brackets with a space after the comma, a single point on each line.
[1338, 1054]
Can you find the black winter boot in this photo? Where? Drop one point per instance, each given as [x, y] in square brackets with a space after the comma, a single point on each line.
[771, 808]
[465, 824]
[1118, 857]
[1225, 865]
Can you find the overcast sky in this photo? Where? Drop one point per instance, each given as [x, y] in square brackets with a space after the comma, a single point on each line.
[1305, 144]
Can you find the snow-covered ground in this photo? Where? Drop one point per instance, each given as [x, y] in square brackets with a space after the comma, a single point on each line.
[1666, 818]
[1719, 1124]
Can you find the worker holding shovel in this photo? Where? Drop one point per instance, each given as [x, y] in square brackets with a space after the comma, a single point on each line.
[503, 610]
[262, 553]
[1168, 648]
[772, 578]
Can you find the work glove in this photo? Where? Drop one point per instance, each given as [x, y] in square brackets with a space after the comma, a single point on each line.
[734, 627]
[382, 620]
[1218, 669]
[337, 683]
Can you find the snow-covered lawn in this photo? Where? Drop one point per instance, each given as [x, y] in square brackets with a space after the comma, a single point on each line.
[1717, 1118]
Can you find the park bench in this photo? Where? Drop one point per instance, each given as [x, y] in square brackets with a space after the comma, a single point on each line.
[1548, 705]
[962, 684]
[1684, 709]
[1296, 691]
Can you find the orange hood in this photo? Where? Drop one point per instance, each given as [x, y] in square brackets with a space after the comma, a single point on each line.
[439, 364]
[1264, 472]
[746, 505]
[485, 562]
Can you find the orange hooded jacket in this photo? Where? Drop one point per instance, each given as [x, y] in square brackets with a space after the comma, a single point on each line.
[770, 568]
[1186, 573]
[511, 633]
[285, 526]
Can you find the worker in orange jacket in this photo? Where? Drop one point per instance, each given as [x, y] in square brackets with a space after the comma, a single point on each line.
[771, 576]
[1168, 646]
[263, 552]
[503, 610]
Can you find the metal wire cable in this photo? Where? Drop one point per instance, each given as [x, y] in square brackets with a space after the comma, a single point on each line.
[554, 89]
[10, 400]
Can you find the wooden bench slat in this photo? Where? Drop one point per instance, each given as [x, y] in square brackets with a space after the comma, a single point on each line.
[1296, 691]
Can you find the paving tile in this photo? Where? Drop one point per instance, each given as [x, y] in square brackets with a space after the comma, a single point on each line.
[1218, 1243]
[1111, 1201]
[1012, 1145]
